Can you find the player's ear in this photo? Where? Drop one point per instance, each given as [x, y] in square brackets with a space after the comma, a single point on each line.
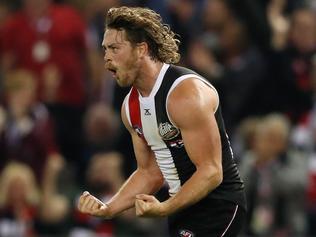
[142, 49]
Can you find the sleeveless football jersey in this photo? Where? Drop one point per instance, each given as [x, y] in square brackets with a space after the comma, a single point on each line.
[149, 117]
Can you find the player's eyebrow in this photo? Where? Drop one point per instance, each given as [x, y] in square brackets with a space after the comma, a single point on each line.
[108, 46]
[111, 45]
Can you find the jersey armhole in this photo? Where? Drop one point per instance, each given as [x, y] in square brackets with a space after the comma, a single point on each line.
[182, 78]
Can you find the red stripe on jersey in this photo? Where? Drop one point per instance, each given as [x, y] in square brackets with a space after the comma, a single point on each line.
[134, 112]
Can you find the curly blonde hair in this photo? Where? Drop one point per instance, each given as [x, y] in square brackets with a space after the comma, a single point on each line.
[145, 25]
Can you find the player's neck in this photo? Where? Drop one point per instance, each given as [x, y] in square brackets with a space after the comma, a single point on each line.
[148, 76]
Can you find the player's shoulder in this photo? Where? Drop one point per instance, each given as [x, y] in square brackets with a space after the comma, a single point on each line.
[190, 89]
[193, 94]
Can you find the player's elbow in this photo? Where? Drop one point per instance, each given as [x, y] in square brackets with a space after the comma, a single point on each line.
[155, 180]
[219, 177]
[215, 175]
[158, 180]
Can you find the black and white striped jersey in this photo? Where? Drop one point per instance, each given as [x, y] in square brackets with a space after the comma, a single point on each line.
[149, 117]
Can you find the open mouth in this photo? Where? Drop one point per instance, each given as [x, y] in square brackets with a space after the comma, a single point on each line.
[113, 71]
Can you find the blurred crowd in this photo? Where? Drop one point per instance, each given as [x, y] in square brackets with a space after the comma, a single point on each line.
[60, 127]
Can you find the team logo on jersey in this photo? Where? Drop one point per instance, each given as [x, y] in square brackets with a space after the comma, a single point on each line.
[186, 233]
[167, 131]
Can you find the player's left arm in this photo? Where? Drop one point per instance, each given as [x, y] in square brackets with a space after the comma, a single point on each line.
[191, 106]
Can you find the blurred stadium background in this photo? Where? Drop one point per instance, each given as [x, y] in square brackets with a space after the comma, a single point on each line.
[60, 128]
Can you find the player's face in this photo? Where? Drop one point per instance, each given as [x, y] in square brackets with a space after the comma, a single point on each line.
[120, 57]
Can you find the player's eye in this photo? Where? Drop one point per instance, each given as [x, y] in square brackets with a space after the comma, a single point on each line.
[114, 49]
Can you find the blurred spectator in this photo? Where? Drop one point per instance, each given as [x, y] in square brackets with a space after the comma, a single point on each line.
[275, 178]
[162, 7]
[253, 15]
[104, 177]
[245, 72]
[4, 12]
[312, 4]
[101, 128]
[19, 198]
[53, 47]
[184, 18]
[294, 42]
[23, 206]
[203, 60]
[26, 130]
[45, 49]
[279, 23]
[102, 131]
[216, 14]
[101, 83]
[244, 137]
[231, 62]
[104, 174]
[304, 137]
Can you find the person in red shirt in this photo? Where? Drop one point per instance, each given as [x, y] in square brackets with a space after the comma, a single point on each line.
[49, 40]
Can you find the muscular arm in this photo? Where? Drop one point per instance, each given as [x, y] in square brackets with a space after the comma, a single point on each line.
[147, 179]
[191, 106]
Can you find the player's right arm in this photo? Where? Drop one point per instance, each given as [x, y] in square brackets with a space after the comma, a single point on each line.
[147, 179]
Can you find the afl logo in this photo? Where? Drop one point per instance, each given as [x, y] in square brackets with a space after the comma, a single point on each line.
[167, 131]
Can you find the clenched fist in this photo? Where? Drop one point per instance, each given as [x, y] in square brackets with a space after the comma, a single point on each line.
[148, 206]
[91, 205]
